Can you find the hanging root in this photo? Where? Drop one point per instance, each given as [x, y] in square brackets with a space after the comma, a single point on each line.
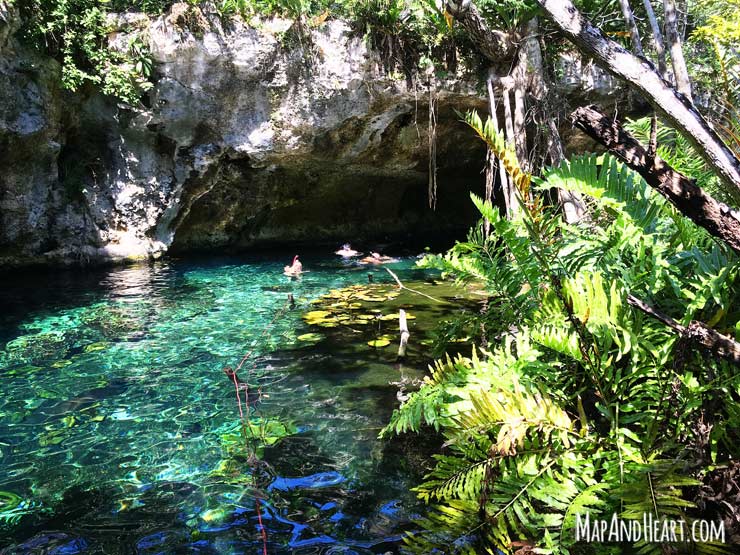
[432, 145]
[490, 173]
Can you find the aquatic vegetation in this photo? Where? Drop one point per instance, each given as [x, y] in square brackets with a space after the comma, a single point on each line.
[382, 341]
[258, 431]
[319, 317]
[36, 348]
[310, 337]
[99, 346]
[394, 317]
[9, 501]
[348, 312]
[147, 416]
[12, 508]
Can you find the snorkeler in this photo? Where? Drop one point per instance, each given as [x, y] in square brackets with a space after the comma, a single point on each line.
[377, 258]
[294, 269]
[347, 251]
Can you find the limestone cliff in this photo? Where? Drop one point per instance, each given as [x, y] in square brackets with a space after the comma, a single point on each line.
[251, 135]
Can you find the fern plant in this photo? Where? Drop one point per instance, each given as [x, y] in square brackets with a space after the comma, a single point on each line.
[675, 149]
[583, 405]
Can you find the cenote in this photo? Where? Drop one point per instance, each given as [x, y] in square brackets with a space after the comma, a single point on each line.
[571, 173]
[119, 431]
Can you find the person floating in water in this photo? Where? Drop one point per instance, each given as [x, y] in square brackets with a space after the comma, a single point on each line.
[377, 258]
[294, 269]
[347, 251]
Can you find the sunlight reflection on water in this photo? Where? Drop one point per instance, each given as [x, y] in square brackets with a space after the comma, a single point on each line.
[115, 408]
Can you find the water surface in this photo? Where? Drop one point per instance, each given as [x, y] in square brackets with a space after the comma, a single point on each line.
[119, 432]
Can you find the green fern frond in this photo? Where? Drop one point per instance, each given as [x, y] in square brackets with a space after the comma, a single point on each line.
[677, 151]
[515, 415]
[456, 478]
[456, 524]
[589, 500]
[516, 467]
[560, 338]
[426, 406]
[614, 187]
[654, 489]
[501, 150]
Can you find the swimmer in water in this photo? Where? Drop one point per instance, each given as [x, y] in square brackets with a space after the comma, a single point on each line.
[347, 251]
[294, 269]
[377, 258]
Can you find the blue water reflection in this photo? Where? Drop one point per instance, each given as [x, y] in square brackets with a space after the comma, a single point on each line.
[117, 424]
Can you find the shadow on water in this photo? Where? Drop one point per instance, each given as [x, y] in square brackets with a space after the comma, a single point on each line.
[119, 432]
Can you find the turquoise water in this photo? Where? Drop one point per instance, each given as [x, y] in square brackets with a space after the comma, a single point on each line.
[119, 432]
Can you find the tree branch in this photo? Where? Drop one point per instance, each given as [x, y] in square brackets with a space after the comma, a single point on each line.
[640, 74]
[693, 202]
[402, 286]
[403, 328]
[701, 334]
[497, 46]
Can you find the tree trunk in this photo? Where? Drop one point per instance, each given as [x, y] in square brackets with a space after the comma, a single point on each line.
[432, 136]
[497, 46]
[403, 328]
[716, 217]
[520, 75]
[629, 21]
[678, 110]
[536, 68]
[674, 43]
[659, 46]
[520, 129]
[512, 206]
[490, 179]
[571, 203]
[657, 38]
[492, 159]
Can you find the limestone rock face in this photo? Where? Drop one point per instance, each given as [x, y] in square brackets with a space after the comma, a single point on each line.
[252, 135]
[278, 136]
[34, 214]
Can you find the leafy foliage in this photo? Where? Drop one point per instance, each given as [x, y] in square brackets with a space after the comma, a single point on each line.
[75, 32]
[717, 64]
[146, 6]
[680, 154]
[584, 404]
[410, 35]
[508, 14]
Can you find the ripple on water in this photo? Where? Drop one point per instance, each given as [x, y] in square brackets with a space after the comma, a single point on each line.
[113, 401]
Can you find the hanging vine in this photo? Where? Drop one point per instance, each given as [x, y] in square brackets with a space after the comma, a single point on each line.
[432, 135]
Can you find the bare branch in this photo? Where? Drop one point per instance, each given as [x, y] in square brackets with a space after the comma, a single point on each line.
[640, 74]
[692, 201]
[700, 334]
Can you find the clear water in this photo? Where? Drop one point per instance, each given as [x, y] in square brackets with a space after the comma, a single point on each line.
[115, 415]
